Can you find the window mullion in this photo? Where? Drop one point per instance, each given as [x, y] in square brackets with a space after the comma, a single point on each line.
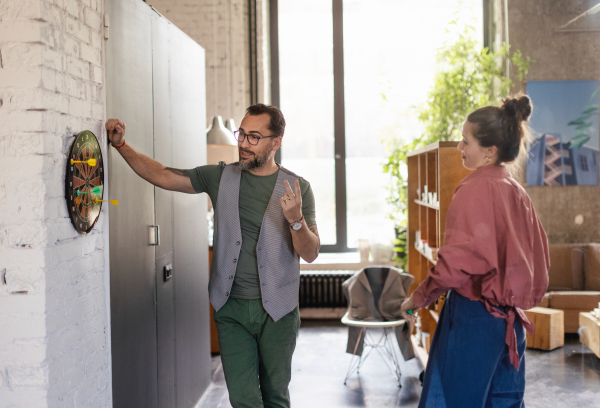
[339, 126]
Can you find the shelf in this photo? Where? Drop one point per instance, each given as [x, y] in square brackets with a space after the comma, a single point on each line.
[424, 204]
[420, 352]
[435, 315]
[432, 147]
[428, 258]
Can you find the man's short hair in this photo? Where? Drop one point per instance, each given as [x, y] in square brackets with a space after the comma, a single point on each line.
[277, 122]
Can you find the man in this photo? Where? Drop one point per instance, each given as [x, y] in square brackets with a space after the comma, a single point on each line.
[262, 226]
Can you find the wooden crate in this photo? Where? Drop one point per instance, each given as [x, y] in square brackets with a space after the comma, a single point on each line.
[549, 328]
[590, 332]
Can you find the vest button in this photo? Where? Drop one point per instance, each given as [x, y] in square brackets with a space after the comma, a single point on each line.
[231, 277]
[237, 243]
[234, 260]
[226, 293]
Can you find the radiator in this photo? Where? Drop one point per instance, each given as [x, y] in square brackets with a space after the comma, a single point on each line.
[323, 289]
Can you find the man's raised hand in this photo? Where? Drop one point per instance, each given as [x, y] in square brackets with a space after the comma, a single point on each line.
[291, 202]
[116, 131]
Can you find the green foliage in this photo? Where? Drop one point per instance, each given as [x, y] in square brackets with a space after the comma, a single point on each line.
[582, 125]
[468, 77]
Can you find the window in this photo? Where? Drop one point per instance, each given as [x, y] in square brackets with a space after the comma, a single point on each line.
[346, 74]
[584, 163]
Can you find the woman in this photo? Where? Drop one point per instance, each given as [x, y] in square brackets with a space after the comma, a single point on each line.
[494, 263]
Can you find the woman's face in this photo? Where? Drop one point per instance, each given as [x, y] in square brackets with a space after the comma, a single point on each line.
[473, 154]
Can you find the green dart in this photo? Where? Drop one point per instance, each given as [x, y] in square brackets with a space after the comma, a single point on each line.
[96, 190]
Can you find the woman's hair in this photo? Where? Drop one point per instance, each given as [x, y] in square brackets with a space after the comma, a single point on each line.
[504, 127]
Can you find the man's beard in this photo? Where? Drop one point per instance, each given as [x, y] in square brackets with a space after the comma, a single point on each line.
[259, 160]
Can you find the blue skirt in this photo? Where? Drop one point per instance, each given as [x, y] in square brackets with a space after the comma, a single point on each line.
[469, 364]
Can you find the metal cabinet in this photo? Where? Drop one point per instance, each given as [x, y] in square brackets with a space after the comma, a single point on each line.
[155, 83]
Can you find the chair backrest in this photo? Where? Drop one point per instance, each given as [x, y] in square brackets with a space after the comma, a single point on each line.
[376, 277]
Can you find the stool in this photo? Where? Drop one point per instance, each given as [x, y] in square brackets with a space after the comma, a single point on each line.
[549, 328]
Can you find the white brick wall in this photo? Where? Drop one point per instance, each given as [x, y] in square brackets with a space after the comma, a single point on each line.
[54, 324]
[227, 58]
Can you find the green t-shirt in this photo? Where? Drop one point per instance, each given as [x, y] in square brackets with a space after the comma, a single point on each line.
[255, 193]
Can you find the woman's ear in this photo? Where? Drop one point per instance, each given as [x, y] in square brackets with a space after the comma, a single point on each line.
[492, 151]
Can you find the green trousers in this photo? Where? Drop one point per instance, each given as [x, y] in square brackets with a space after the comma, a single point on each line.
[256, 353]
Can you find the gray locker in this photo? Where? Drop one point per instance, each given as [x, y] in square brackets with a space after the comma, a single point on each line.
[155, 83]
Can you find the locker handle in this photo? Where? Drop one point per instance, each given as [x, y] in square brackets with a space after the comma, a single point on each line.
[154, 238]
[167, 272]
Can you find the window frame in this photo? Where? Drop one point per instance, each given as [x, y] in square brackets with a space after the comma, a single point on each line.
[341, 215]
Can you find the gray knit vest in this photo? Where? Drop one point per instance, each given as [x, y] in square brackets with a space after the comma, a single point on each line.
[278, 262]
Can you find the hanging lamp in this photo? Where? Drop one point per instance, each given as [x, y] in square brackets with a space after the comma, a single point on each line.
[219, 134]
[230, 125]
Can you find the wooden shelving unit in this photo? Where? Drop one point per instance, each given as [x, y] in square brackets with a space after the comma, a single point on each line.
[439, 167]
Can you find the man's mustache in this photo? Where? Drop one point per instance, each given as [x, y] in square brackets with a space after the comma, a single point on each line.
[245, 151]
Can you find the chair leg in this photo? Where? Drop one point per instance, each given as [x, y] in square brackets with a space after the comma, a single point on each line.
[350, 369]
[388, 354]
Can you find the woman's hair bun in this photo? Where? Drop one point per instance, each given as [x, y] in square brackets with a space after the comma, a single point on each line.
[520, 107]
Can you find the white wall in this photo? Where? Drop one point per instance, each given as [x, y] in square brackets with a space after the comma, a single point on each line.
[221, 28]
[54, 316]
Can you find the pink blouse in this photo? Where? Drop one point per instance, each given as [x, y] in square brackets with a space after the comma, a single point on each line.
[495, 250]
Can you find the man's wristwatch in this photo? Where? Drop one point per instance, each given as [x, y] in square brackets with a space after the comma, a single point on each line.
[297, 224]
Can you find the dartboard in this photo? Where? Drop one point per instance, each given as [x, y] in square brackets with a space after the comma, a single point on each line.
[84, 184]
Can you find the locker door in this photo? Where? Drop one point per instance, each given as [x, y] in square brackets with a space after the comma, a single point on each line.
[190, 242]
[132, 259]
[165, 295]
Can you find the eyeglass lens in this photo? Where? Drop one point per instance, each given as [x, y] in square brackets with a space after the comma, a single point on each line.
[239, 136]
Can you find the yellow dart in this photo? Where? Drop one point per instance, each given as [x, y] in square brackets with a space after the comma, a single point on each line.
[90, 162]
[113, 202]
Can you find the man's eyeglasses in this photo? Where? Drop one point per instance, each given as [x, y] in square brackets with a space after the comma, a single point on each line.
[253, 140]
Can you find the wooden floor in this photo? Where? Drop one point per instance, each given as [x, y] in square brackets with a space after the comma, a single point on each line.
[566, 377]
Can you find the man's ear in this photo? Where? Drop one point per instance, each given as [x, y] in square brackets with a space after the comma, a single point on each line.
[277, 143]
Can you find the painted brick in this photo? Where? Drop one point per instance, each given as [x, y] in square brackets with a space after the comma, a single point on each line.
[27, 376]
[53, 347]
[31, 350]
[75, 107]
[53, 60]
[93, 19]
[23, 9]
[24, 280]
[78, 68]
[22, 325]
[19, 77]
[72, 7]
[22, 31]
[63, 252]
[77, 29]
[97, 77]
[22, 55]
[91, 54]
[73, 87]
[71, 46]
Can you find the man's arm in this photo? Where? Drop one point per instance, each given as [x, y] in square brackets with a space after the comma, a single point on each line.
[306, 240]
[145, 167]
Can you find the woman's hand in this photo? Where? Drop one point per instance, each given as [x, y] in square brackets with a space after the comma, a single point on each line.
[408, 305]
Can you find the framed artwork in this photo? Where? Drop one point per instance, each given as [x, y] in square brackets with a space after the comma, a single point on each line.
[565, 133]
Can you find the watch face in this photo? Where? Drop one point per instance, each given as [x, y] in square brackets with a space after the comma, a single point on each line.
[84, 182]
[297, 225]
